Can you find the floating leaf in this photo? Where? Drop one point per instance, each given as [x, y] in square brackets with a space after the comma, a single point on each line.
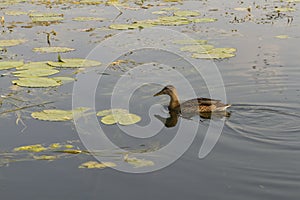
[46, 17]
[74, 63]
[84, 19]
[63, 79]
[35, 72]
[9, 43]
[69, 146]
[36, 82]
[171, 21]
[282, 36]
[203, 20]
[285, 9]
[216, 53]
[140, 24]
[10, 64]
[138, 162]
[71, 151]
[53, 49]
[170, 8]
[45, 157]
[57, 115]
[197, 48]
[121, 116]
[186, 13]
[31, 65]
[55, 146]
[15, 12]
[96, 165]
[31, 148]
[160, 12]
[190, 41]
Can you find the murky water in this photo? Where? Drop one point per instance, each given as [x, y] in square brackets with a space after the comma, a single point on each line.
[257, 154]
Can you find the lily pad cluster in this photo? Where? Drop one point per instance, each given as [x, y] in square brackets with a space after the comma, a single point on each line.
[201, 50]
[120, 116]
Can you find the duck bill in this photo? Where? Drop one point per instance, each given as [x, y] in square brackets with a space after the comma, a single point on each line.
[158, 94]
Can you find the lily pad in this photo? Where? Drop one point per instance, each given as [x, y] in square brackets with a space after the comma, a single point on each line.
[138, 162]
[216, 53]
[56, 115]
[84, 19]
[203, 20]
[197, 48]
[35, 72]
[159, 12]
[282, 36]
[285, 9]
[190, 41]
[75, 63]
[31, 65]
[96, 165]
[31, 148]
[171, 21]
[37, 82]
[46, 17]
[53, 49]
[10, 64]
[186, 13]
[121, 116]
[45, 157]
[10, 43]
[64, 79]
[15, 12]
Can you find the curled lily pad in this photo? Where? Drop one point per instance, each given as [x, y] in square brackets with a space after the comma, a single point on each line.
[75, 63]
[138, 162]
[97, 165]
[10, 64]
[57, 115]
[197, 48]
[53, 49]
[121, 116]
[36, 82]
[10, 43]
[186, 13]
[31, 148]
[35, 72]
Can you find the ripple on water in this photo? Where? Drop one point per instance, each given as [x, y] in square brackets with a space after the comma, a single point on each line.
[273, 123]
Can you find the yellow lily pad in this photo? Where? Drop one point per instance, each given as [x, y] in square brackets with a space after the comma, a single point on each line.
[45, 157]
[55, 146]
[35, 72]
[53, 49]
[10, 64]
[56, 115]
[138, 162]
[31, 148]
[71, 151]
[197, 48]
[10, 43]
[96, 165]
[46, 17]
[121, 116]
[36, 82]
[15, 12]
[282, 36]
[84, 19]
[285, 9]
[159, 12]
[203, 20]
[186, 13]
[75, 63]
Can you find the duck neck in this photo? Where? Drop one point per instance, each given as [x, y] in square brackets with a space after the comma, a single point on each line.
[174, 102]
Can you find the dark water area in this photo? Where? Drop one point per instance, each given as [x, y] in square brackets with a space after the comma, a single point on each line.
[257, 155]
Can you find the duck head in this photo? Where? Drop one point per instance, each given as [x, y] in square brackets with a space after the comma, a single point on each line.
[168, 90]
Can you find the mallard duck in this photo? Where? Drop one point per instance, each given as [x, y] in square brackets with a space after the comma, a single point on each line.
[199, 105]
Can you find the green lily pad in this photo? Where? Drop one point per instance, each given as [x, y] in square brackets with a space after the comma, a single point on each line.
[190, 41]
[75, 63]
[121, 116]
[186, 13]
[216, 53]
[57, 115]
[203, 20]
[136, 25]
[84, 19]
[138, 162]
[171, 21]
[10, 64]
[36, 82]
[32, 65]
[10, 43]
[53, 49]
[31, 148]
[35, 72]
[197, 48]
[96, 165]
[64, 79]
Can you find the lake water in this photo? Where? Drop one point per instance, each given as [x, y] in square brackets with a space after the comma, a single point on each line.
[255, 157]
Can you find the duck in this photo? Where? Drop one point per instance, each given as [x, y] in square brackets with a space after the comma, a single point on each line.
[198, 105]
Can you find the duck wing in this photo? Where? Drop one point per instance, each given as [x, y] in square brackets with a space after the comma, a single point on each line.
[207, 101]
